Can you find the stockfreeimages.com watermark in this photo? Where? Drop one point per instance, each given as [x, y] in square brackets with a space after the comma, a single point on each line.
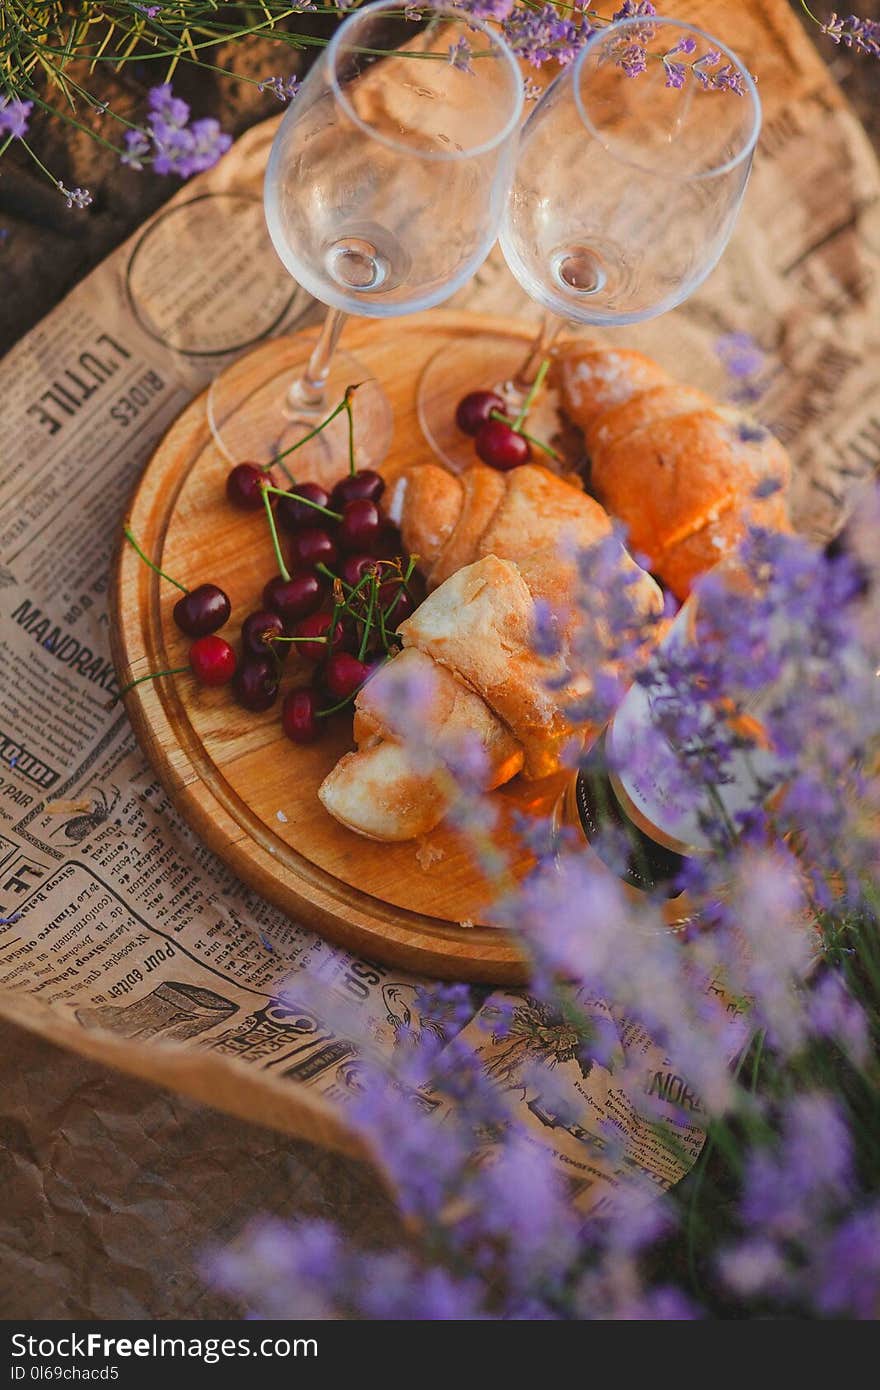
[73, 1346]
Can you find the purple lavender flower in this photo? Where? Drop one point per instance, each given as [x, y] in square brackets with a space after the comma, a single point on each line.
[209, 143]
[137, 144]
[284, 88]
[486, 9]
[710, 59]
[542, 35]
[173, 110]
[809, 1171]
[860, 34]
[632, 9]
[834, 1014]
[755, 1266]
[677, 72]
[14, 116]
[846, 1274]
[177, 147]
[75, 197]
[632, 58]
[728, 78]
[460, 54]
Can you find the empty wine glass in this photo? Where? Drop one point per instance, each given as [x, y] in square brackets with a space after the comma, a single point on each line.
[630, 175]
[384, 192]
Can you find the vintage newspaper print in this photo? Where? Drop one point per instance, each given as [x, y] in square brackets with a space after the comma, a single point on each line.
[119, 932]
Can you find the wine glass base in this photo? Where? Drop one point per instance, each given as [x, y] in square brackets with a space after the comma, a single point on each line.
[254, 424]
[484, 362]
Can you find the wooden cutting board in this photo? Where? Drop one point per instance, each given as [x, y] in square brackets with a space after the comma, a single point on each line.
[247, 791]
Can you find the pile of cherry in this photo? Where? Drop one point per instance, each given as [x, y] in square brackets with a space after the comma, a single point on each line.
[337, 599]
[345, 585]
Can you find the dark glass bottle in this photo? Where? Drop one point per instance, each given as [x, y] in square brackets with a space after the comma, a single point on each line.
[620, 810]
[592, 803]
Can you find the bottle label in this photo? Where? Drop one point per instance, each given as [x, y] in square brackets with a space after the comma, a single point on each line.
[634, 856]
[645, 780]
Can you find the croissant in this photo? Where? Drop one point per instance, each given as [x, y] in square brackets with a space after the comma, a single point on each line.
[686, 475]
[448, 521]
[415, 726]
[467, 695]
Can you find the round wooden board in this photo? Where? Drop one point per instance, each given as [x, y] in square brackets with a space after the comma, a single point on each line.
[247, 791]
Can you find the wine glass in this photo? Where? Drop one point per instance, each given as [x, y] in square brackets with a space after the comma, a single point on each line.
[384, 191]
[630, 175]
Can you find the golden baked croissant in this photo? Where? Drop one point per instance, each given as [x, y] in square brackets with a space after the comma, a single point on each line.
[414, 724]
[467, 688]
[685, 475]
[448, 521]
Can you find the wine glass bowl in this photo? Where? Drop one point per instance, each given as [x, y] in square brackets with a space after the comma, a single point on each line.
[388, 177]
[627, 187]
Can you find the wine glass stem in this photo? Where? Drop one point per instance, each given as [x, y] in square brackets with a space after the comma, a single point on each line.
[549, 331]
[307, 392]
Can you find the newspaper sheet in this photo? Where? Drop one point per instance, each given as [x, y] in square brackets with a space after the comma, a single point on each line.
[120, 934]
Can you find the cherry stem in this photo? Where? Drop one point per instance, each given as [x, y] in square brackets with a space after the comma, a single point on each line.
[404, 580]
[334, 709]
[279, 638]
[533, 391]
[352, 592]
[368, 621]
[279, 492]
[344, 404]
[349, 392]
[538, 443]
[151, 676]
[147, 561]
[282, 568]
[267, 468]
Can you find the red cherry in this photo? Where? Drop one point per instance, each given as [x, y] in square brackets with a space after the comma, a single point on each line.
[202, 610]
[501, 447]
[292, 513]
[354, 567]
[317, 625]
[343, 674]
[365, 483]
[299, 716]
[257, 633]
[474, 410]
[244, 486]
[360, 524]
[388, 545]
[212, 660]
[256, 683]
[397, 603]
[296, 597]
[313, 546]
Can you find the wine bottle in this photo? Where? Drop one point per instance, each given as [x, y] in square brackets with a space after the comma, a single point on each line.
[624, 811]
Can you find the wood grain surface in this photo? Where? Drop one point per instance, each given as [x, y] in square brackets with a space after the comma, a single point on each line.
[244, 787]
